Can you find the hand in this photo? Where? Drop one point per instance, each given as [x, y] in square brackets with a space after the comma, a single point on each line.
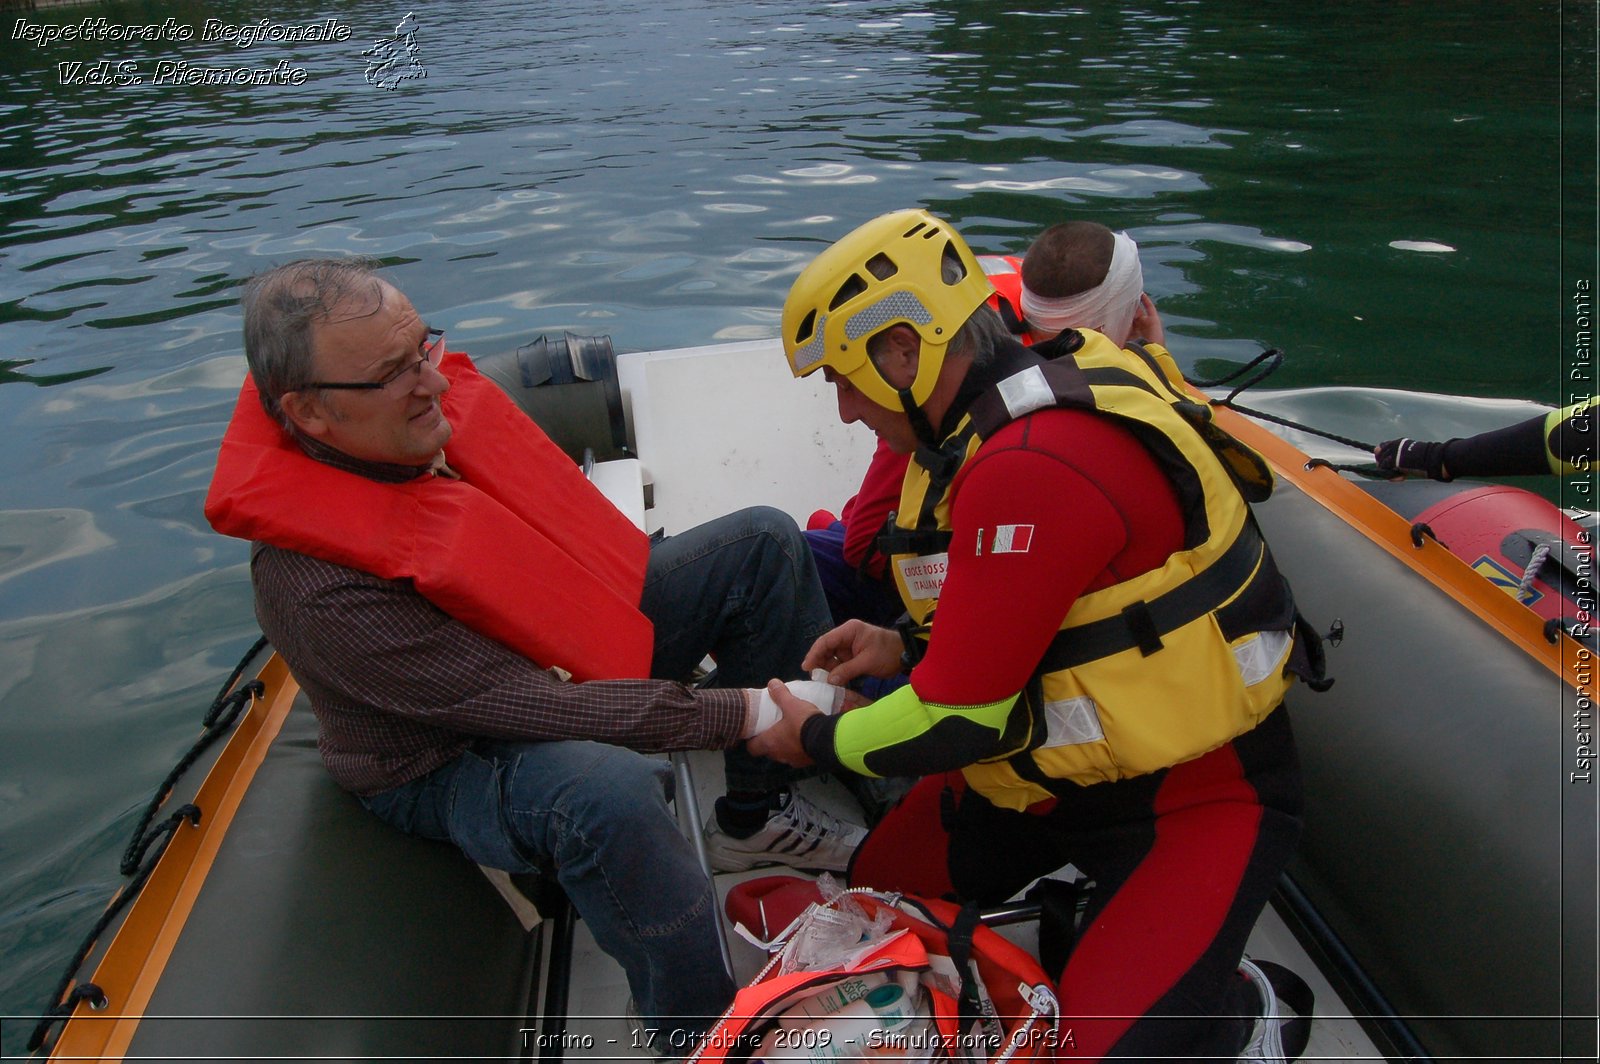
[1417, 457]
[781, 742]
[855, 649]
[1147, 323]
[854, 700]
[763, 712]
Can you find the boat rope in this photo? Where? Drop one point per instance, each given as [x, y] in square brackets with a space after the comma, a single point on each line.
[217, 722]
[1421, 529]
[1525, 587]
[143, 852]
[82, 992]
[68, 1000]
[1269, 361]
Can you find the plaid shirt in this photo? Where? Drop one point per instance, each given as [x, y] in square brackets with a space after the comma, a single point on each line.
[401, 689]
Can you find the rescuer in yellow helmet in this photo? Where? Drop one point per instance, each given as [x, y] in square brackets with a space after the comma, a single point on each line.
[1104, 681]
[893, 270]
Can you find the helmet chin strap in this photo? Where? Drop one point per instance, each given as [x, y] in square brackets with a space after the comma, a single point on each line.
[919, 420]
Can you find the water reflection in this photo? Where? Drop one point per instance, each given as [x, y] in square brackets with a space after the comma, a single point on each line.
[32, 539]
[660, 170]
[10, 373]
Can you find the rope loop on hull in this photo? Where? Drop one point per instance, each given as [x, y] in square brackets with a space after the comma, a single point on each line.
[144, 851]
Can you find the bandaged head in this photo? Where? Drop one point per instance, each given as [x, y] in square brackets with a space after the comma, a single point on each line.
[1109, 307]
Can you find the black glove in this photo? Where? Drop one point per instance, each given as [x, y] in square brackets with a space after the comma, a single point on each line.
[1418, 457]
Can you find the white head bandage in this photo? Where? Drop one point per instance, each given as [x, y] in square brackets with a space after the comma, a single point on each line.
[1108, 307]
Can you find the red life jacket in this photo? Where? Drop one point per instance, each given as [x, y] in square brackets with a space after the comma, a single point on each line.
[1005, 273]
[522, 549]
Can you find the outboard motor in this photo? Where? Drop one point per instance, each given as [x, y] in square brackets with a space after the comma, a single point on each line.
[569, 388]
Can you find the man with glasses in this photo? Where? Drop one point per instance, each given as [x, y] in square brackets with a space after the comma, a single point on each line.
[468, 614]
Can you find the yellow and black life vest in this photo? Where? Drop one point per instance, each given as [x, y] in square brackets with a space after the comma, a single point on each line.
[1149, 672]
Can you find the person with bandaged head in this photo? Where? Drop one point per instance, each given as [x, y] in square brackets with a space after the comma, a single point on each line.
[1081, 275]
[1560, 442]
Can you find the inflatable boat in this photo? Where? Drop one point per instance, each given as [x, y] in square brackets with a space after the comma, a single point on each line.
[1442, 903]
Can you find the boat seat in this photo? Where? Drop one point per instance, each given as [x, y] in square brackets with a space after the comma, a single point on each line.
[276, 962]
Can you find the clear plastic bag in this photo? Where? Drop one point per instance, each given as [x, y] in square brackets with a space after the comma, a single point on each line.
[836, 934]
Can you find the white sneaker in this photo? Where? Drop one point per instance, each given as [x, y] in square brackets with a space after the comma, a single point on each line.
[797, 834]
[1266, 1040]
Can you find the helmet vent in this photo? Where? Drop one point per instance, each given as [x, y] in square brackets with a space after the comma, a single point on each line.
[807, 326]
[951, 269]
[808, 346]
[852, 287]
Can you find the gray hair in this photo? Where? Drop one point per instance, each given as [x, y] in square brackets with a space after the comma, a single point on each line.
[979, 336]
[281, 307]
[983, 330]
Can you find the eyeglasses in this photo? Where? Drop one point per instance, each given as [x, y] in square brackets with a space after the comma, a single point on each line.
[407, 375]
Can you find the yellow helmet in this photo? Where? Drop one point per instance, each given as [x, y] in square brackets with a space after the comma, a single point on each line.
[886, 272]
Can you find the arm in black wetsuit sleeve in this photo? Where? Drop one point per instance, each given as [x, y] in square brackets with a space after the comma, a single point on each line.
[1541, 444]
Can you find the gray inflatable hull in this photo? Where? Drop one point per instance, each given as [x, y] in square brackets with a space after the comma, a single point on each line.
[321, 933]
[1450, 836]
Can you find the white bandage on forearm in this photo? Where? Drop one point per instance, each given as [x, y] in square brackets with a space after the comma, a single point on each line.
[1108, 307]
[824, 696]
[764, 713]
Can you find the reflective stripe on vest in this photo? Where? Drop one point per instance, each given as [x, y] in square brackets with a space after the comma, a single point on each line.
[1005, 274]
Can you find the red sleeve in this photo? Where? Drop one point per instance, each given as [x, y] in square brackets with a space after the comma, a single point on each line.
[1054, 505]
[865, 514]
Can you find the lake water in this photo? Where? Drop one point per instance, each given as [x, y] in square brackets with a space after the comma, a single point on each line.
[1398, 195]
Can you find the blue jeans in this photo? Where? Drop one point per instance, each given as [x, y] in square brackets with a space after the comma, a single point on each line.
[742, 587]
[853, 595]
[850, 592]
[597, 817]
